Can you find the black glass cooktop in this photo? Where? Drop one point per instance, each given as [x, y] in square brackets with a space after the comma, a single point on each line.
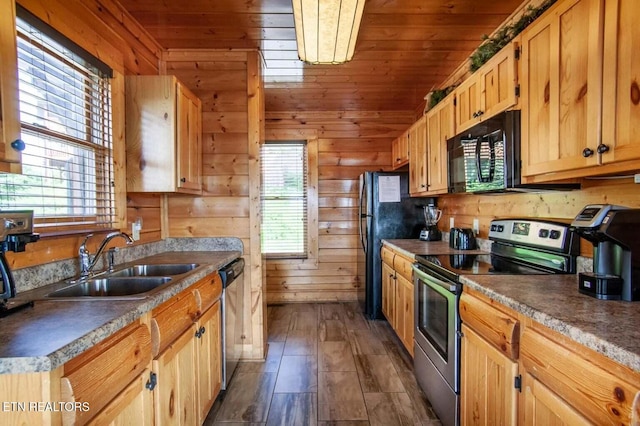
[475, 264]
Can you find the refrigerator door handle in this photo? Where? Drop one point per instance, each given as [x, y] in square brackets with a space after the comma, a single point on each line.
[361, 215]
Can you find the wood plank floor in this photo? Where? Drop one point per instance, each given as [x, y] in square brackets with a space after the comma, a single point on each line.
[326, 365]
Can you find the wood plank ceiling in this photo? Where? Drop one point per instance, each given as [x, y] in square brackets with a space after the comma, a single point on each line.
[405, 47]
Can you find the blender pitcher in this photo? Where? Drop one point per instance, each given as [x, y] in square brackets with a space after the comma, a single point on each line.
[431, 217]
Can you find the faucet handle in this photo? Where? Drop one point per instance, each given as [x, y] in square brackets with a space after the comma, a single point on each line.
[83, 246]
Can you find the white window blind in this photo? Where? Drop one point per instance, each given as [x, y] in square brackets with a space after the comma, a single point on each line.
[284, 199]
[65, 115]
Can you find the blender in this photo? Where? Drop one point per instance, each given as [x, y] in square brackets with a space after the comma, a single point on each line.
[431, 217]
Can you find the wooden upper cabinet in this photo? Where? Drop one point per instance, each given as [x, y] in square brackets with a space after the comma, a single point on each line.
[621, 82]
[560, 86]
[489, 91]
[163, 134]
[580, 90]
[440, 127]
[9, 113]
[400, 151]
[428, 167]
[418, 166]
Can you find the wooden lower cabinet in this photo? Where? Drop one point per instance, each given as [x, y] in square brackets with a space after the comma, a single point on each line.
[133, 406]
[404, 312]
[209, 351]
[175, 394]
[487, 394]
[397, 295]
[543, 407]
[189, 369]
[561, 382]
[388, 292]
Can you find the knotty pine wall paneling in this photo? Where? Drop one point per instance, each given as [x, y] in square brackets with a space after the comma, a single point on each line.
[109, 33]
[230, 88]
[348, 143]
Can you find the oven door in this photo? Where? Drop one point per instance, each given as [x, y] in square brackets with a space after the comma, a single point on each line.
[437, 322]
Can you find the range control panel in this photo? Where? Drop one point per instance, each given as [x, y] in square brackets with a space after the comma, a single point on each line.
[546, 234]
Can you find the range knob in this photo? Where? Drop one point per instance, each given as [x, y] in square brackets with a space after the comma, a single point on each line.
[554, 235]
[500, 228]
[543, 233]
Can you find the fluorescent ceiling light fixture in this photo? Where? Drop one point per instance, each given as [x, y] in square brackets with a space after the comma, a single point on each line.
[326, 30]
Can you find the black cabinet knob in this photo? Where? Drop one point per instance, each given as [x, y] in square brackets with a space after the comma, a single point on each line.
[18, 145]
[602, 148]
[183, 180]
[587, 152]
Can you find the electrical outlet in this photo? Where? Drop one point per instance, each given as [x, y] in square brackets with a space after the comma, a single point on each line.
[451, 222]
[476, 226]
[636, 178]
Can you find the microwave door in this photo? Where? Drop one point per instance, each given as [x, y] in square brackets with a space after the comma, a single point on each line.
[489, 157]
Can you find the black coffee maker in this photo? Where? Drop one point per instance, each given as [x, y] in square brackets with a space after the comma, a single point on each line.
[614, 232]
[16, 230]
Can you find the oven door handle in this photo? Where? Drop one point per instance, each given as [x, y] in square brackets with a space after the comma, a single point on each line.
[437, 284]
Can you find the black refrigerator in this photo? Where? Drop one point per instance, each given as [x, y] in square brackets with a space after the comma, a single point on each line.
[385, 212]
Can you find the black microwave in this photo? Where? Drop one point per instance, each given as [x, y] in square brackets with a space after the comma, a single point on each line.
[486, 158]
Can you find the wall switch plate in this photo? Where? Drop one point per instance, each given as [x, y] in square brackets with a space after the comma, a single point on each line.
[476, 226]
[451, 222]
[636, 178]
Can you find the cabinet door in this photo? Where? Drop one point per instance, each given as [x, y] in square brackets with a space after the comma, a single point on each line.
[9, 118]
[544, 407]
[487, 392]
[418, 166]
[400, 150]
[175, 394]
[498, 82]
[209, 359]
[561, 88]
[388, 293]
[440, 127]
[188, 140]
[405, 311]
[621, 83]
[133, 406]
[468, 103]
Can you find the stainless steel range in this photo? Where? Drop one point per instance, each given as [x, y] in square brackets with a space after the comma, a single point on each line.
[520, 246]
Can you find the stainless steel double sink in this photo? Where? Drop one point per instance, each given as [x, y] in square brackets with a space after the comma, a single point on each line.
[134, 282]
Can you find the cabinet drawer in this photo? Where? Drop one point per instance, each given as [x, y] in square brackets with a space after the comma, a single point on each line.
[98, 375]
[403, 267]
[387, 256]
[495, 326]
[171, 319]
[208, 290]
[598, 388]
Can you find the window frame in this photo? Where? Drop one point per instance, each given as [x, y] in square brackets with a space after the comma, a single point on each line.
[115, 183]
[310, 136]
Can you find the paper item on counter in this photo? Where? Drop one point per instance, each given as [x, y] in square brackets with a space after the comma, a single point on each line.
[389, 189]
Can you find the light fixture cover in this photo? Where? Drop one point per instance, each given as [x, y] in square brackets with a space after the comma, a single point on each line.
[326, 30]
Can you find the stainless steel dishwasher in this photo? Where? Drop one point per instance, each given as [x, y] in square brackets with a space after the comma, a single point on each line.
[232, 295]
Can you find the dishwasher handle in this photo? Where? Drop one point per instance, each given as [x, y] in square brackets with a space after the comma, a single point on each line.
[231, 271]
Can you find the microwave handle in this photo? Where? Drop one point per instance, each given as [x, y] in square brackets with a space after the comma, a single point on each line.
[492, 167]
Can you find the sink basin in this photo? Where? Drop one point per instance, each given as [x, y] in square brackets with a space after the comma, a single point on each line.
[155, 270]
[111, 287]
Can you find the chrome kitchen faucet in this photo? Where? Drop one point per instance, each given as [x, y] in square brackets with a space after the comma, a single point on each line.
[87, 261]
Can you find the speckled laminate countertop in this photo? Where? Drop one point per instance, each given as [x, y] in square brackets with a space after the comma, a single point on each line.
[54, 331]
[606, 326]
[413, 247]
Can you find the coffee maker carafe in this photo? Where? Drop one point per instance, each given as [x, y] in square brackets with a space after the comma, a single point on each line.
[431, 217]
[614, 232]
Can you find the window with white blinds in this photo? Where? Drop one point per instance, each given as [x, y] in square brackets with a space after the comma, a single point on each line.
[65, 115]
[284, 199]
